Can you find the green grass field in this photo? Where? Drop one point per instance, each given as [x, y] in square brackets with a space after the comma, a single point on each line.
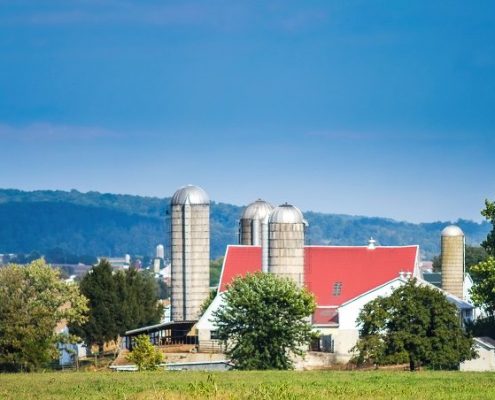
[248, 385]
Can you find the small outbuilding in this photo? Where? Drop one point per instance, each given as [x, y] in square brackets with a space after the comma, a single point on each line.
[485, 346]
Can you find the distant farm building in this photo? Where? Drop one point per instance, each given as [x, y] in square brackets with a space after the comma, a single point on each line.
[485, 347]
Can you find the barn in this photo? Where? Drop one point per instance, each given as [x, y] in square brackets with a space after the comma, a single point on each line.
[274, 240]
[342, 278]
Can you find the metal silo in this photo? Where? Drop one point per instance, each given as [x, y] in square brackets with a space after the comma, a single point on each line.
[252, 219]
[286, 243]
[453, 243]
[190, 252]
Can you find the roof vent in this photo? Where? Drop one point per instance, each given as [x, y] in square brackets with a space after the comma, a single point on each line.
[371, 244]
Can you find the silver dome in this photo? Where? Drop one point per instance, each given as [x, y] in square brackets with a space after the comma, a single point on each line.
[286, 214]
[452, 230]
[258, 210]
[190, 194]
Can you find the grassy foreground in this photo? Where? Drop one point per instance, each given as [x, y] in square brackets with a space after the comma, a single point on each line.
[248, 385]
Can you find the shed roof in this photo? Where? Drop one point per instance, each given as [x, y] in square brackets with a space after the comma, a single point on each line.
[486, 341]
[184, 325]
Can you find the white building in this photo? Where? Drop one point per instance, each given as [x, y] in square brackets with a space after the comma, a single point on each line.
[485, 347]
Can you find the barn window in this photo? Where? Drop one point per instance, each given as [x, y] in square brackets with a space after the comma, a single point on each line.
[337, 288]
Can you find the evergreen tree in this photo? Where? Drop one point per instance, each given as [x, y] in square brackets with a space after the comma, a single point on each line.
[415, 324]
[118, 301]
[103, 324]
[264, 321]
[138, 293]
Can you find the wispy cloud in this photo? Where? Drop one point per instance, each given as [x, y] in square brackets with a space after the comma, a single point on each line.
[42, 131]
[99, 12]
[367, 136]
[217, 14]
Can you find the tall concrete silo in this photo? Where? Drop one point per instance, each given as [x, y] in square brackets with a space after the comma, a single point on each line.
[252, 219]
[286, 243]
[453, 243]
[190, 252]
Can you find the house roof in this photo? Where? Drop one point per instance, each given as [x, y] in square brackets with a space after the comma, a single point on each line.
[355, 269]
[486, 341]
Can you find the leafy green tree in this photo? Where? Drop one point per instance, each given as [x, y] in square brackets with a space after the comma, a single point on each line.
[146, 356]
[474, 255]
[415, 324]
[484, 326]
[483, 273]
[483, 291]
[489, 213]
[264, 321]
[33, 300]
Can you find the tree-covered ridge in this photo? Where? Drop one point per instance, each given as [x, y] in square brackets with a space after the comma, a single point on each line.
[336, 229]
[112, 224]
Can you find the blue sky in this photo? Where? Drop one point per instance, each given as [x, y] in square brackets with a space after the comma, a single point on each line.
[360, 107]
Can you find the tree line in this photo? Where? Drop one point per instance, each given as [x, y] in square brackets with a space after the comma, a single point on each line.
[34, 300]
[98, 224]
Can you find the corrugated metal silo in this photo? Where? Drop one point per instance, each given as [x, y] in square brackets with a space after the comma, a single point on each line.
[286, 243]
[251, 223]
[190, 252]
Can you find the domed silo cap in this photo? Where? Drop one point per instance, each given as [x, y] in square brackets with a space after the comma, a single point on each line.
[452, 230]
[286, 214]
[190, 194]
[257, 210]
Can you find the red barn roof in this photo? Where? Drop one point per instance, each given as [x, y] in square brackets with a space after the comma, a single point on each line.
[334, 274]
[238, 261]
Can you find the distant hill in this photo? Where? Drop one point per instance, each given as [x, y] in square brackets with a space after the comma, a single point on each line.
[110, 224]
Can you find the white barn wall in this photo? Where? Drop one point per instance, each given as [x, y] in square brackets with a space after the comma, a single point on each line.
[346, 335]
[349, 311]
[205, 324]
